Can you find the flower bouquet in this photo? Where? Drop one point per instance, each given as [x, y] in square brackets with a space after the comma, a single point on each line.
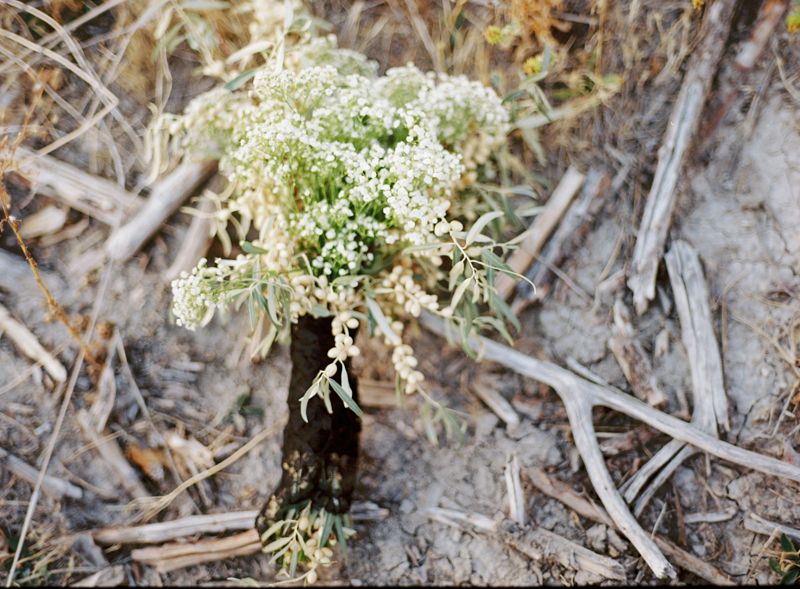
[359, 200]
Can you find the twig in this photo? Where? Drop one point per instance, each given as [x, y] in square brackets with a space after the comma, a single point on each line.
[216, 523]
[535, 543]
[710, 400]
[769, 15]
[163, 502]
[487, 393]
[195, 243]
[710, 516]
[759, 525]
[579, 397]
[570, 233]
[167, 195]
[170, 557]
[516, 500]
[30, 346]
[112, 455]
[540, 229]
[563, 492]
[632, 359]
[681, 128]
[112, 576]
[96, 197]
[53, 486]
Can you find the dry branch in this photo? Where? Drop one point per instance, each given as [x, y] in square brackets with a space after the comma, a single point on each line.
[759, 525]
[112, 576]
[708, 390]
[486, 392]
[540, 229]
[166, 197]
[113, 457]
[563, 492]
[769, 15]
[195, 243]
[51, 485]
[535, 543]
[579, 397]
[97, 197]
[27, 343]
[681, 128]
[180, 528]
[632, 359]
[170, 557]
[570, 233]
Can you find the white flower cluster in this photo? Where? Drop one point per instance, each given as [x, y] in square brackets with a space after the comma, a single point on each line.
[193, 296]
[342, 173]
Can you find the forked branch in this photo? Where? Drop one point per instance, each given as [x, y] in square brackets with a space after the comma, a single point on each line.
[579, 397]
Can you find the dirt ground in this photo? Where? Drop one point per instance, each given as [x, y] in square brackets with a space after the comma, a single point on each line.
[739, 206]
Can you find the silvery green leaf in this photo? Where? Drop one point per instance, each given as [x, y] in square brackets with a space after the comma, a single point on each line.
[480, 223]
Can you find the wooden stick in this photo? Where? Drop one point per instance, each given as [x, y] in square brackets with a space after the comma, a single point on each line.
[97, 197]
[541, 229]
[769, 15]
[486, 392]
[710, 400]
[579, 397]
[535, 543]
[563, 492]
[681, 128]
[631, 358]
[195, 243]
[51, 485]
[112, 455]
[570, 233]
[112, 576]
[167, 196]
[516, 499]
[692, 303]
[27, 343]
[171, 557]
[215, 523]
[759, 525]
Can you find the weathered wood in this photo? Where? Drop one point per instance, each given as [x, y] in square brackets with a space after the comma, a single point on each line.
[681, 128]
[112, 576]
[195, 243]
[27, 343]
[52, 486]
[113, 457]
[563, 492]
[579, 397]
[769, 15]
[572, 230]
[97, 197]
[536, 543]
[216, 523]
[708, 390]
[632, 359]
[484, 389]
[540, 229]
[171, 557]
[166, 197]
[758, 525]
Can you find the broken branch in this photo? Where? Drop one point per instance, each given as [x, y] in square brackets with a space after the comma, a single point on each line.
[540, 229]
[168, 194]
[681, 128]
